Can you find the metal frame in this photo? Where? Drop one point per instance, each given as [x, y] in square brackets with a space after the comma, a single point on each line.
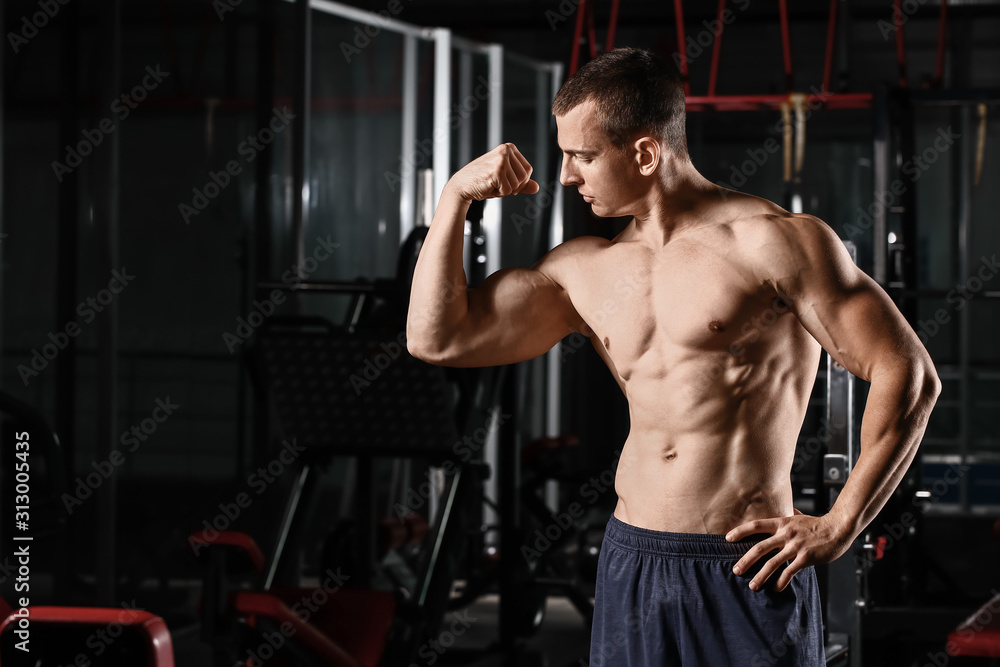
[842, 595]
[894, 120]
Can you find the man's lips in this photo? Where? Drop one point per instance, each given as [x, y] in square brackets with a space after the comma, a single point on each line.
[588, 199]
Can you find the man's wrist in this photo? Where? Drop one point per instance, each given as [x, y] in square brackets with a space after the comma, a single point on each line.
[844, 523]
[452, 195]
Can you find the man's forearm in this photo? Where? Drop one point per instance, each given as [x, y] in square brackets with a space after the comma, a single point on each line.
[899, 404]
[438, 300]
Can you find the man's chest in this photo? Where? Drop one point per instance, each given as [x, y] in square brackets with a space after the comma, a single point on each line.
[677, 302]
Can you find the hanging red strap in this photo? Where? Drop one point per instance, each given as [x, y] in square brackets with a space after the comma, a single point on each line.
[591, 34]
[716, 48]
[681, 46]
[942, 35]
[612, 25]
[831, 32]
[574, 58]
[585, 11]
[897, 19]
[786, 47]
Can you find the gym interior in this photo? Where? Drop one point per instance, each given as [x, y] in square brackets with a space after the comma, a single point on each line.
[216, 448]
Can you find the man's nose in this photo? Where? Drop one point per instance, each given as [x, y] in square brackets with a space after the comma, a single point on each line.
[567, 176]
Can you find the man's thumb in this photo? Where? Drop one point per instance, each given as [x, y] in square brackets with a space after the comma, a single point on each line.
[530, 188]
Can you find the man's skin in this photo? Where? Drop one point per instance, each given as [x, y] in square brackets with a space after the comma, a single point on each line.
[709, 309]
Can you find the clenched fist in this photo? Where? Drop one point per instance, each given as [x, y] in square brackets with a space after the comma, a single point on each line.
[501, 172]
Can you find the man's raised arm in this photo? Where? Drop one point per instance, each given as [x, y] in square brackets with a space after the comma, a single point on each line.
[516, 314]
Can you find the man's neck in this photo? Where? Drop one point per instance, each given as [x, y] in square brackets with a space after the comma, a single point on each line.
[676, 204]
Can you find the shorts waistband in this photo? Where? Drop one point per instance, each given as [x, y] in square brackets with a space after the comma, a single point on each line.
[700, 545]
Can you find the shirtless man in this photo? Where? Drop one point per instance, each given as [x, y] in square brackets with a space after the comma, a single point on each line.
[710, 309]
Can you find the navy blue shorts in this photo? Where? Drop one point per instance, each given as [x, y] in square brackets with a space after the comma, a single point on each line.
[672, 599]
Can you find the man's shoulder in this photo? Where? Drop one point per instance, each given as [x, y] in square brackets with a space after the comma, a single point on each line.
[562, 261]
[572, 250]
[767, 229]
[780, 244]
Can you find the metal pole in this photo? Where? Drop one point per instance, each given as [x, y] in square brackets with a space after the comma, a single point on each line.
[553, 376]
[880, 171]
[494, 136]
[965, 315]
[464, 93]
[442, 153]
[105, 200]
[842, 579]
[69, 110]
[442, 107]
[408, 185]
[301, 131]
[263, 225]
[491, 232]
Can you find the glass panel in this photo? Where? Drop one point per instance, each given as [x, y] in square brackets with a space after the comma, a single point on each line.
[354, 144]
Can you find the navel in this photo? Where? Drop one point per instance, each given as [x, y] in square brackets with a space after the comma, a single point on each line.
[716, 326]
[607, 343]
[669, 456]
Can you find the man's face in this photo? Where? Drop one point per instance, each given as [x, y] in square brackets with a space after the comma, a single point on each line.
[606, 177]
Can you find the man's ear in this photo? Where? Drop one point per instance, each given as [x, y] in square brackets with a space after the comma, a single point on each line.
[647, 155]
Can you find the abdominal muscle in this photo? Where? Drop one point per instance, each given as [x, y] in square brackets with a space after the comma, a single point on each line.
[705, 454]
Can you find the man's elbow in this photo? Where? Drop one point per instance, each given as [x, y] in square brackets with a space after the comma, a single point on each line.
[932, 384]
[928, 382]
[425, 348]
[424, 352]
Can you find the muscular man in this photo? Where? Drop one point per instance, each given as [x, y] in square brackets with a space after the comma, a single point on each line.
[710, 309]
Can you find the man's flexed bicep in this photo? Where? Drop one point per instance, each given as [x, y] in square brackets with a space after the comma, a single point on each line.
[516, 314]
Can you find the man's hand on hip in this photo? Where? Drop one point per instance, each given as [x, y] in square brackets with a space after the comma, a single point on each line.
[801, 541]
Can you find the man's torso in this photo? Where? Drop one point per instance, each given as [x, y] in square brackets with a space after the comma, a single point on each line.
[716, 368]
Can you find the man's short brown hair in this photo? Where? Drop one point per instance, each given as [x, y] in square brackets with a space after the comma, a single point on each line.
[636, 92]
